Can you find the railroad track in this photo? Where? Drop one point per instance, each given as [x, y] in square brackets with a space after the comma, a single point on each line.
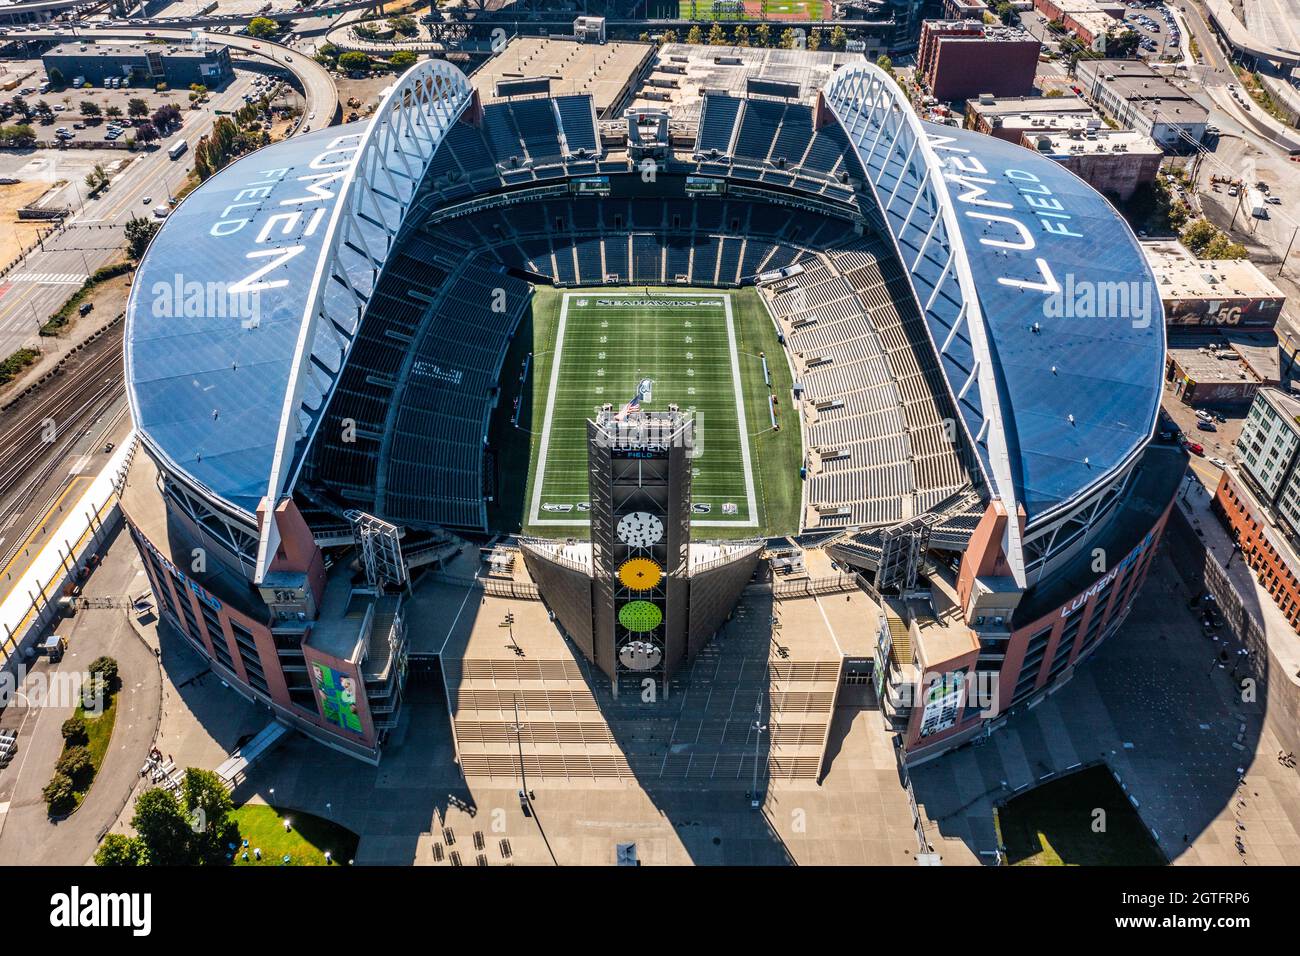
[56, 418]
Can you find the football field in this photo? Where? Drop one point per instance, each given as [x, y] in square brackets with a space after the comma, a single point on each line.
[685, 347]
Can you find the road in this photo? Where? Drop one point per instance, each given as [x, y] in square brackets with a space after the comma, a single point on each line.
[317, 84]
[94, 236]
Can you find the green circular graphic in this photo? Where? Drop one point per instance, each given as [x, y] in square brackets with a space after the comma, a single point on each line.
[640, 616]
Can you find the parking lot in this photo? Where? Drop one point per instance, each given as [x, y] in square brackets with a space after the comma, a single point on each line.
[1157, 28]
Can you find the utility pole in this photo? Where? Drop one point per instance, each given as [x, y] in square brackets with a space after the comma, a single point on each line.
[754, 800]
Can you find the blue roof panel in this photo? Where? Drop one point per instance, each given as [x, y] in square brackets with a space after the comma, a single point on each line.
[216, 307]
[1074, 318]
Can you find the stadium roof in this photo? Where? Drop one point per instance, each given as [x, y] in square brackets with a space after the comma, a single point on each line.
[1011, 256]
[207, 365]
[246, 306]
[1082, 389]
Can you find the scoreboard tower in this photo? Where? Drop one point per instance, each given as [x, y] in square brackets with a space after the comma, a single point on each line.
[639, 475]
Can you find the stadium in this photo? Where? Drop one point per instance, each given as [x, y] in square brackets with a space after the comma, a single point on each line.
[423, 321]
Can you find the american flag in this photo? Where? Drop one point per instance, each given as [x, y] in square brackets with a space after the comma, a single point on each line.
[630, 407]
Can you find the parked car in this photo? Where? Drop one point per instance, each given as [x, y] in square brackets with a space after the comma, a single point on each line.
[1217, 462]
[1207, 426]
[1196, 448]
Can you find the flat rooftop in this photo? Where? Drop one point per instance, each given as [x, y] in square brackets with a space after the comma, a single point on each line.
[979, 30]
[130, 48]
[1072, 142]
[1029, 105]
[1219, 354]
[1201, 363]
[605, 70]
[1180, 275]
[689, 71]
[1137, 82]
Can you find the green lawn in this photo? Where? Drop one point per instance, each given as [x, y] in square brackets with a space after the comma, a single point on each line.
[614, 338]
[263, 827]
[1054, 825]
[99, 733]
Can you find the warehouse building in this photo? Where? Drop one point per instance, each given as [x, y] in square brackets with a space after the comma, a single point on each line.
[1012, 117]
[1138, 97]
[142, 64]
[1220, 292]
[1112, 161]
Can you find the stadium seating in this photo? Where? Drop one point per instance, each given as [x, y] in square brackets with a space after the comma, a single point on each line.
[431, 347]
[877, 447]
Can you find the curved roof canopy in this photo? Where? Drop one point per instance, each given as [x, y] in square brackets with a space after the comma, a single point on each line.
[245, 308]
[216, 308]
[1034, 290]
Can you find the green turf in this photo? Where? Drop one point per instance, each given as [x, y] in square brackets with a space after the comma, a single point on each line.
[1055, 825]
[757, 10]
[686, 351]
[305, 844]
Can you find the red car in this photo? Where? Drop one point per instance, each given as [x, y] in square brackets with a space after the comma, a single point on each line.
[1195, 448]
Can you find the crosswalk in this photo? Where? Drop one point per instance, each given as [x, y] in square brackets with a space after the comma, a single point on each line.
[50, 278]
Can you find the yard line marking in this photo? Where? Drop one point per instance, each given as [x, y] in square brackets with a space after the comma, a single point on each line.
[740, 413]
[551, 387]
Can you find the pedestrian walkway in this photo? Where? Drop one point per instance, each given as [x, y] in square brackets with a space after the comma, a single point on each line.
[50, 278]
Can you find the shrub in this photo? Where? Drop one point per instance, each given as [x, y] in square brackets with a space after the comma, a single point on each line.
[59, 794]
[74, 729]
[74, 762]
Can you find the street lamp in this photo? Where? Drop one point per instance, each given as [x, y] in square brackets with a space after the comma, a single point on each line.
[754, 800]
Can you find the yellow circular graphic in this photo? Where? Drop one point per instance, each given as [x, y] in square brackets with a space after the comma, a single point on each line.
[640, 574]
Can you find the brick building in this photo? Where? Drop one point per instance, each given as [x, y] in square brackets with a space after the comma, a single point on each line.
[958, 59]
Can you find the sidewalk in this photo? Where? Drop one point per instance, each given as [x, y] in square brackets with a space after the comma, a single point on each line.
[27, 836]
[1283, 642]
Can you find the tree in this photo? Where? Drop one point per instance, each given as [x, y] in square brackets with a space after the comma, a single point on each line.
[75, 762]
[138, 233]
[20, 107]
[815, 40]
[695, 36]
[146, 133]
[137, 108]
[166, 116]
[97, 178]
[90, 108]
[762, 35]
[106, 667]
[669, 36]
[205, 797]
[260, 27]
[1006, 12]
[885, 63]
[404, 26]
[354, 61]
[55, 76]
[838, 38]
[119, 850]
[742, 36]
[17, 135]
[1198, 235]
[113, 112]
[1221, 247]
[60, 794]
[402, 60]
[74, 729]
[163, 827]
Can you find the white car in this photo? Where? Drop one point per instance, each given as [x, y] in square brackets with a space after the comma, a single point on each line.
[1218, 463]
[147, 200]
